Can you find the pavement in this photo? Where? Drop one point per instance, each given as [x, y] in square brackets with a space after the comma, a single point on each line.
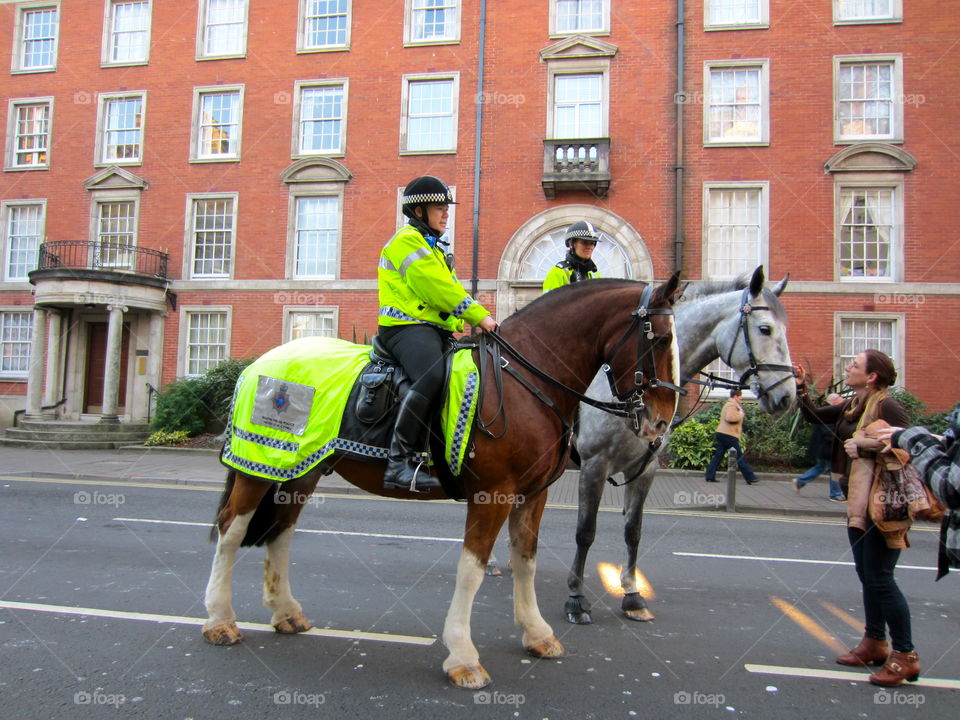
[672, 490]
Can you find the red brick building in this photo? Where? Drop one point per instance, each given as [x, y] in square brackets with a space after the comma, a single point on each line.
[210, 179]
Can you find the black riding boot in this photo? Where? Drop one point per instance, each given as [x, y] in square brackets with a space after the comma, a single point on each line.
[408, 433]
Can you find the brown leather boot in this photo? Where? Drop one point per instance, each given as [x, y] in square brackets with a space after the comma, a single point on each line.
[869, 651]
[900, 666]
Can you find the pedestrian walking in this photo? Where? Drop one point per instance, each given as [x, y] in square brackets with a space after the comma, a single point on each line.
[727, 436]
[820, 449]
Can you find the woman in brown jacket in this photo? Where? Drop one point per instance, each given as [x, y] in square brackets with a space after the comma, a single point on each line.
[727, 436]
[875, 554]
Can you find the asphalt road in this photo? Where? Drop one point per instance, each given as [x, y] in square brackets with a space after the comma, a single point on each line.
[749, 615]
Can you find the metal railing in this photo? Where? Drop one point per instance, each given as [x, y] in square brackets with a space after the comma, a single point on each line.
[116, 257]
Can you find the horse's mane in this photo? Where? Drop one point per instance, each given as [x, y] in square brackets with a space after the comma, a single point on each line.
[703, 288]
[571, 295]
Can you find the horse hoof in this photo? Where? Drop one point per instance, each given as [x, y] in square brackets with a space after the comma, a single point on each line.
[469, 677]
[293, 625]
[493, 570]
[582, 618]
[548, 649]
[226, 634]
[642, 615]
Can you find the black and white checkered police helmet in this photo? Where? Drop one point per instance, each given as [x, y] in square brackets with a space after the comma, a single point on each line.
[581, 230]
[423, 190]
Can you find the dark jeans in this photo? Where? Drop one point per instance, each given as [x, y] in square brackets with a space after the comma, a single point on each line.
[419, 348]
[724, 443]
[883, 604]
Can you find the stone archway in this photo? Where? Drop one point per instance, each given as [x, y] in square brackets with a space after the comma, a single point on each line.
[521, 270]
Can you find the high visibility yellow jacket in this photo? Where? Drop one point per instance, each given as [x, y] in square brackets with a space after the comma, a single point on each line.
[416, 286]
[559, 275]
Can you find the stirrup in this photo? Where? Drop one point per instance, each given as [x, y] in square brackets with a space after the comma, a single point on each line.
[413, 481]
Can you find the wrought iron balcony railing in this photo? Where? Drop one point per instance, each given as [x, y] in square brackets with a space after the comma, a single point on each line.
[576, 164]
[111, 257]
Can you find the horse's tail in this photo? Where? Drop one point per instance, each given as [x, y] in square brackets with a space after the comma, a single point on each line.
[263, 527]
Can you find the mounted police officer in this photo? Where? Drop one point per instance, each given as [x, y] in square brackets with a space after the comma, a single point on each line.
[421, 305]
[580, 238]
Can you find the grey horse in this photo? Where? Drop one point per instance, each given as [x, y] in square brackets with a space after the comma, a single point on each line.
[739, 321]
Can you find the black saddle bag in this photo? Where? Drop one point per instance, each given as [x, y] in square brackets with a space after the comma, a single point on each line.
[377, 395]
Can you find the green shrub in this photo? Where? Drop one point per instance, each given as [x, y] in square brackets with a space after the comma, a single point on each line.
[691, 444]
[166, 438]
[200, 404]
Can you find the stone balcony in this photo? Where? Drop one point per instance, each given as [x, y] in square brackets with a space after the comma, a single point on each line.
[577, 164]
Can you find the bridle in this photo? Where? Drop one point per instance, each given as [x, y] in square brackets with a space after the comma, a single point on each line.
[754, 367]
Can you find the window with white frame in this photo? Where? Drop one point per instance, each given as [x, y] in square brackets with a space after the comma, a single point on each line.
[28, 134]
[549, 249]
[321, 118]
[23, 232]
[735, 229]
[868, 232]
[37, 31]
[16, 338]
[868, 99]
[867, 11]
[734, 14]
[217, 126]
[116, 233]
[737, 107]
[578, 106]
[429, 122]
[859, 332]
[222, 29]
[431, 22]
[126, 38]
[120, 140]
[212, 236]
[317, 236]
[205, 341]
[585, 17]
[311, 322]
[449, 235]
[324, 24]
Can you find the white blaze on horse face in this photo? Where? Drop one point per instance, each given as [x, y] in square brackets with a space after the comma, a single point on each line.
[675, 350]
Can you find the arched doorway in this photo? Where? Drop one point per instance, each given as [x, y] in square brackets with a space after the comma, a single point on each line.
[537, 245]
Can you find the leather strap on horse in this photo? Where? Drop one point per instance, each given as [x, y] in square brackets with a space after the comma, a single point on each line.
[755, 367]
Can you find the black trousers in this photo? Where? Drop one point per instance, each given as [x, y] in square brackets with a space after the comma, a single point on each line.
[883, 604]
[419, 348]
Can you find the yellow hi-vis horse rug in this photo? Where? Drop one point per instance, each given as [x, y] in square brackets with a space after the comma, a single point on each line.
[289, 403]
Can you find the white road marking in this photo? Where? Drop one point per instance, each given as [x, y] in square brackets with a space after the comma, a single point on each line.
[793, 560]
[847, 675]
[425, 538]
[180, 620]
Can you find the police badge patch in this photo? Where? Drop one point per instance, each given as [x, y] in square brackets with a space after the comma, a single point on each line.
[282, 405]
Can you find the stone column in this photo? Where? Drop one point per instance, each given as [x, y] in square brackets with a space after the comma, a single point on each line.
[38, 351]
[111, 375]
[52, 386]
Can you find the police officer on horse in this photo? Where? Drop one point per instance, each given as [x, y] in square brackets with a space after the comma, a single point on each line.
[580, 238]
[421, 305]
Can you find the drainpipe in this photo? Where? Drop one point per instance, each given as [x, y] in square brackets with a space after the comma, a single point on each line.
[474, 276]
[679, 100]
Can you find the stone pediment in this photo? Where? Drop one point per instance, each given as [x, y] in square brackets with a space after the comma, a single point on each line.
[577, 47]
[871, 157]
[315, 170]
[115, 178]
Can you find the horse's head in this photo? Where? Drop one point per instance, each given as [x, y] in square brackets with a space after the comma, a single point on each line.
[758, 348]
[645, 361]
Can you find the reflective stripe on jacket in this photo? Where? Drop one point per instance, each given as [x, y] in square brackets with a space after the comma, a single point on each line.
[416, 286]
[559, 275]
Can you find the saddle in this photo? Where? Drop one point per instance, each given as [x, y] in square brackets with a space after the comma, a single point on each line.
[370, 414]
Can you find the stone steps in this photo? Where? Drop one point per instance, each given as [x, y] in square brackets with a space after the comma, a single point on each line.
[75, 435]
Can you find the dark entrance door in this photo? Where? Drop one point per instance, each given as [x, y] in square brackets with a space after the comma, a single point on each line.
[97, 366]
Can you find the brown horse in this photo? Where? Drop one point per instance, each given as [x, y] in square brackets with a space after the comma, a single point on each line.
[566, 334]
